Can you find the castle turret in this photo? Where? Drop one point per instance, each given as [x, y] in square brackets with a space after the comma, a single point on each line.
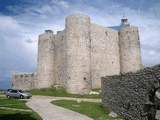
[78, 54]
[45, 70]
[130, 58]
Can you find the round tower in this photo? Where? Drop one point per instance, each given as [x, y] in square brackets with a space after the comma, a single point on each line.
[78, 54]
[45, 70]
[130, 55]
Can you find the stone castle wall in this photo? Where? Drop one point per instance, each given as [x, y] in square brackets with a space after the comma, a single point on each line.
[127, 94]
[45, 68]
[104, 53]
[60, 59]
[24, 81]
[78, 54]
[130, 58]
[77, 57]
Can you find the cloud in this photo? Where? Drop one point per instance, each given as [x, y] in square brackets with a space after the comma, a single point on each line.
[8, 23]
[30, 41]
[22, 22]
[61, 4]
[13, 54]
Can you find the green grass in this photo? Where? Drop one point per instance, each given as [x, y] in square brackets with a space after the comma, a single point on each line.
[93, 110]
[10, 114]
[59, 92]
[18, 115]
[96, 89]
[12, 103]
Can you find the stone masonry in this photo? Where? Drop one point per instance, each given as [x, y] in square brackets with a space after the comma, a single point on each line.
[78, 56]
[23, 80]
[129, 94]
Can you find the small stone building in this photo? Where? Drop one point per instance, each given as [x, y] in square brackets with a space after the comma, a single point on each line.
[78, 56]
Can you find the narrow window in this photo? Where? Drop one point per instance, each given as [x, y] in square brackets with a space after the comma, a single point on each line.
[106, 33]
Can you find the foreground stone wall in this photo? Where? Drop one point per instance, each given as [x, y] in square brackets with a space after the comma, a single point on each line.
[24, 81]
[127, 94]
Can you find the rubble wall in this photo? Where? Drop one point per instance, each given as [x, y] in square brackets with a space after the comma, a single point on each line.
[128, 93]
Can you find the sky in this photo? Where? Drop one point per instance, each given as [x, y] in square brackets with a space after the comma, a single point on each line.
[21, 21]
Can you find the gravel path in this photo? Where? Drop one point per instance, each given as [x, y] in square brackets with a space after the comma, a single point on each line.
[48, 111]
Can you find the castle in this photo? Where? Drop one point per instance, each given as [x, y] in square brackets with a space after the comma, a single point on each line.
[78, 56]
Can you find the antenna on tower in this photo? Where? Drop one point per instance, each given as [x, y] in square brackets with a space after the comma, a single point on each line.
[124, 20]
[123, 15]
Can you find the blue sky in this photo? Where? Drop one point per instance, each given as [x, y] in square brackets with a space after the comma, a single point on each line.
[22, 20]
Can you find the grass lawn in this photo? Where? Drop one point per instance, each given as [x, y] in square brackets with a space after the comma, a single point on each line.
[59, 92]
[18, 115]
[93, 110]
[12, 103]
[10, 114]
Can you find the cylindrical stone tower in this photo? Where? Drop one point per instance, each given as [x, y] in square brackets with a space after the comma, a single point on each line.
[130, 56]
[45, 70]
[78, 54]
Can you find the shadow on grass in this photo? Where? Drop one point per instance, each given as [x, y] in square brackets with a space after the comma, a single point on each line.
[17, 116]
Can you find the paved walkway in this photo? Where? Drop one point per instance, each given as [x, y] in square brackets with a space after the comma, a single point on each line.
[48, 111]
[2, 95]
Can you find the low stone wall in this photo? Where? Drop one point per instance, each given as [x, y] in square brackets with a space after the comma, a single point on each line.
[127, 94]
[24, 81]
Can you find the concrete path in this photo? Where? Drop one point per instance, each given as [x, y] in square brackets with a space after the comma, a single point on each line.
[2, 95]
[48, 111]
